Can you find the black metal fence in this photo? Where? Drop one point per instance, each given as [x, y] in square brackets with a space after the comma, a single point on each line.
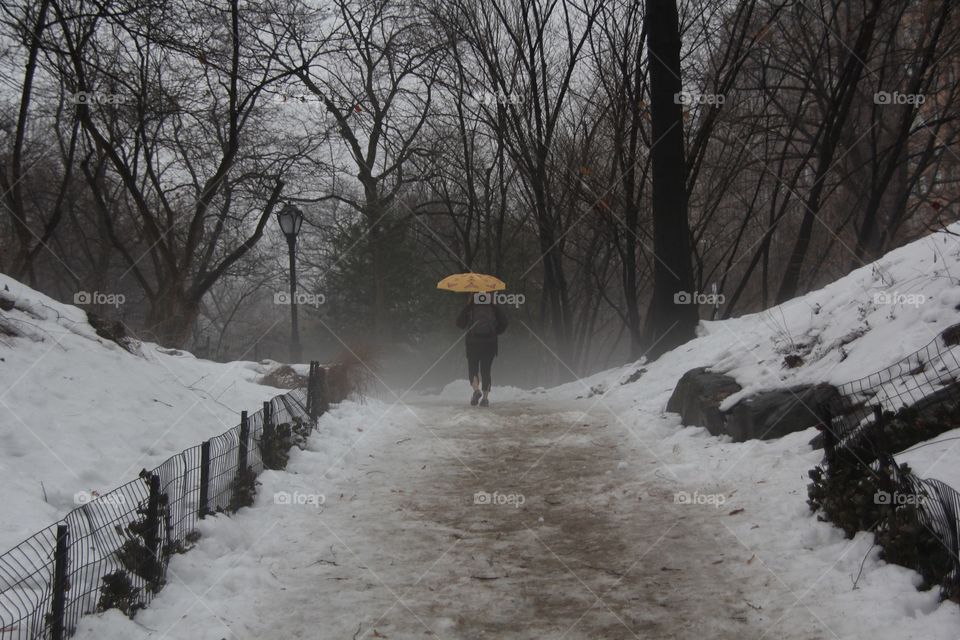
[113, 551]
[928, 377]
[887, 412]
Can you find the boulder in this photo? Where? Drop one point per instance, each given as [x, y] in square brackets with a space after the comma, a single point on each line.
[697, 397]
[774, 414]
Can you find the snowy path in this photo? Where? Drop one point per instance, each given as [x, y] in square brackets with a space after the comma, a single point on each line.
[602, 562]
[400, 549]
[589, 553]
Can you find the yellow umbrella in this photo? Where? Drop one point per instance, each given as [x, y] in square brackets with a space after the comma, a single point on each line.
[471, 282]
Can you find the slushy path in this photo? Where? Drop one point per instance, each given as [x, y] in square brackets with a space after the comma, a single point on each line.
[523, 520]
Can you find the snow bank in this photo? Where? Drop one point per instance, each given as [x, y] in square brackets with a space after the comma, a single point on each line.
[234, 567]
[78, 413]
[861, 323]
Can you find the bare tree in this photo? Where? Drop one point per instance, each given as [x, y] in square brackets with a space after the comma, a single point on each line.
[187, 138]
[374, 75]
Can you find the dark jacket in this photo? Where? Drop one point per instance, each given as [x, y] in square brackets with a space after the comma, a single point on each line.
[465, 321]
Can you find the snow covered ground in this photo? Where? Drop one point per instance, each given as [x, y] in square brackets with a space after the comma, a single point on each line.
[609, 518]
[589, 523]
[80, 415]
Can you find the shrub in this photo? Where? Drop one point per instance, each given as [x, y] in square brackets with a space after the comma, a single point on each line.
[118, 592]
[244, 490]
[844, 493]
[275, 444]
[138, 560]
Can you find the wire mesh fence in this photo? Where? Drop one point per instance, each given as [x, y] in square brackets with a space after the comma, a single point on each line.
[928, 377]
[112, 552]
[934, 505]
[882, 414]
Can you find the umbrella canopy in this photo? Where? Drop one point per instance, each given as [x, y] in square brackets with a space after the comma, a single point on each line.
[471, 283]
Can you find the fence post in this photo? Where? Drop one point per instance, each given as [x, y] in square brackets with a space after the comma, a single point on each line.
[59, 605]
[829, 437]
[152, 538]
[267, 421]
[879, 439]
[321, 405]
[244, 440]
[315, 390]
[167, 522]
[310, 390]
[204, 478]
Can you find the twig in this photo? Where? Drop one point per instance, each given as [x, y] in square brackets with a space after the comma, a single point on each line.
[325, 561]
[863, 562]
[200, 379]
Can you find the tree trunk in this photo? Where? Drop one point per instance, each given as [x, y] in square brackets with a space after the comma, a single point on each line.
[172, 314]
[374, 211]
[11, 178]
[668, 324]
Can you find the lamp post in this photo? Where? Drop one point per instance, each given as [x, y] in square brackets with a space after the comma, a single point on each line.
[290, 219]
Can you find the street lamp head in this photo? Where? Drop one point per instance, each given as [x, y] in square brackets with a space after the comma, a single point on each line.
[290, 219]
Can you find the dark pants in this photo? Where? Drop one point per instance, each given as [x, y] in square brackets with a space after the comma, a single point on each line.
[479, 359]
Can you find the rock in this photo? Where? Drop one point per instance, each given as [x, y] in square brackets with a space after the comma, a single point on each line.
[7, 303]
[951, 335]
[764, 416]
[774, 414]
[818, 441]
[697, 397]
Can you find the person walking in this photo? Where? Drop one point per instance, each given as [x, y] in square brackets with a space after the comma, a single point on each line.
[483, 321]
